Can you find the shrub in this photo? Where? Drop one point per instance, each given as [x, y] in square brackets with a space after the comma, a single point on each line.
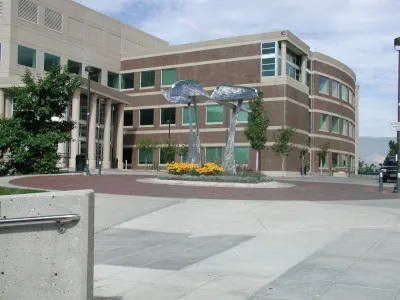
[212, 178]
[194, 169]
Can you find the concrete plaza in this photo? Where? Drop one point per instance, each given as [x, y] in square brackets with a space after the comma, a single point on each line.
[187, 248]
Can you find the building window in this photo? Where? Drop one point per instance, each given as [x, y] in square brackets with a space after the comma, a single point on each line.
[145, 157]
[74, 67]
[323, 85]
[335, 160]
[113, 80]
[164, 157]
[28, 10]
[96, 75]
[324, 162]
[243, 115]
[335, 88]
[127, 81]
[293, 65]
[268, 66]
[324, 123]
[147, 79]
[49, 60]
[242, 155]
[344, 160]
[309, 65]
[268, 48]
[83, 108]
[351, 98]
[344, 127]
[168, 76]
[82, 130]
[26, 56]
[344, 93]
[214, 154]
[146, 117]
[168, 116]
[185, 118]
[128, 118]
[351, 130]
[309, 82]
[214, 113]
[335, 124]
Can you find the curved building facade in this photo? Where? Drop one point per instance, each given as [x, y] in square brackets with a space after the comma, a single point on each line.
[311, 92]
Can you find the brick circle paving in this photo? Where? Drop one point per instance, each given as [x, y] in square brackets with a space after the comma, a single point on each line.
[127, 185]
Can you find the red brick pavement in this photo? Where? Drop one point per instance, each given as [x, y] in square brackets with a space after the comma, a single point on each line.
[127, 185]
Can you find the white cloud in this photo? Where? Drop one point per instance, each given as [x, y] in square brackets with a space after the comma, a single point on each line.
[357, 32]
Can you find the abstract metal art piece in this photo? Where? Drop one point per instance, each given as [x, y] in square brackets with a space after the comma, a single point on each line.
[191, 92]
[234, 95]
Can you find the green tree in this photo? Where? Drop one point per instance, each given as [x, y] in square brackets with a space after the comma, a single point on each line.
[257, 125]
[361, 164]
[170, 149]
[283, 146]
[321, 153]
[147, 146]
[31, 137]
[182, 150]
[393, 148]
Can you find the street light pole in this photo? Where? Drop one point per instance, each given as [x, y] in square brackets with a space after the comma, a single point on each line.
[89, 70]
[169, 128]
[397, 48]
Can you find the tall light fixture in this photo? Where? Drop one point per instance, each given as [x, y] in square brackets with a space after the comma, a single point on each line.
[89, 70]
[397, 48]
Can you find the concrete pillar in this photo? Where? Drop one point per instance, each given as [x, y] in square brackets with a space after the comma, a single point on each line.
[283, 57]
[107, 135]
[92, 131]
[120, 135]
[76, 103]
[356, 128]
[303, 78]
[8, 108]
[2, 102]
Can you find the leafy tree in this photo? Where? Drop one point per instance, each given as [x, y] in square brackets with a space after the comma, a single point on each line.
[170, 149]
[283, 146]
[393, 148]
[257, 125]
[323, 151]
[361, 164]
[182, 150]
[147, 146]
[31, 137]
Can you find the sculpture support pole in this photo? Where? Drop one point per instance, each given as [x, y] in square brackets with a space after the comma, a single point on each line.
[198, 152]
[191, 149]
[229, 163]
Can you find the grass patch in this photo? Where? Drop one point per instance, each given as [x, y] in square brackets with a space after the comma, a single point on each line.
[217, 178]
[15, 191]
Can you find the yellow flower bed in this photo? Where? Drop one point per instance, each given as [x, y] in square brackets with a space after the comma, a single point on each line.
[194, 169]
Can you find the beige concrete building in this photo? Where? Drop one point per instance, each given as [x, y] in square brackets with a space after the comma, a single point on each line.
[35, 33]
[314, 93]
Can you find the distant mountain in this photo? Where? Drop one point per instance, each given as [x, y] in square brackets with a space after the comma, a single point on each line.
[374, 149]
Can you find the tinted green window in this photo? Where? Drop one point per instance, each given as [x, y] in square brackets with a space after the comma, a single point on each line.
[268, 67]
[74, 67]
[50, 59]
[323, 85]
[309, 82]
[145, 155]
[243, 116]
[335, 160]
[147, 79]
[26, 56]
[146, 117]
[268, 48]
[128, 118]
[186, 115]
[324, 123]
[215, 113]
[335, 88]
[344, 93]
[168, 115]
[163, 157]
[113, 80]
[168, 76]
[95, 75]
[214, 154]
[127, 81]
[335, 124]
[242, 155]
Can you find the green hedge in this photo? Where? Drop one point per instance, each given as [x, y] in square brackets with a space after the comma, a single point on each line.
[222, 178]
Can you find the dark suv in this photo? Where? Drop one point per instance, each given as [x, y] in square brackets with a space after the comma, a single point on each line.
[389, 168]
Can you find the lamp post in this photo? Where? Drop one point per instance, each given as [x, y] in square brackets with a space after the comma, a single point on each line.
[89, 70]
[397, 48]
[169, 128]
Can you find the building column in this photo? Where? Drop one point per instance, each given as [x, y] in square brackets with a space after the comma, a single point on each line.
[356, 129]
[8, 107]
[119, 149]
[2, 102]
[76, 106]
[92, 131]
[303, 69]
[283, 57]
[107, 135]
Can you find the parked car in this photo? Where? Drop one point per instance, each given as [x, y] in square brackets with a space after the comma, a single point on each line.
[389, 168]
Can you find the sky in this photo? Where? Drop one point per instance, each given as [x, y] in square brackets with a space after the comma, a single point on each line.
[359, 33]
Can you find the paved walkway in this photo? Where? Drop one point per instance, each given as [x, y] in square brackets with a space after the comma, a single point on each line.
[172, 248]
[128, 185]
